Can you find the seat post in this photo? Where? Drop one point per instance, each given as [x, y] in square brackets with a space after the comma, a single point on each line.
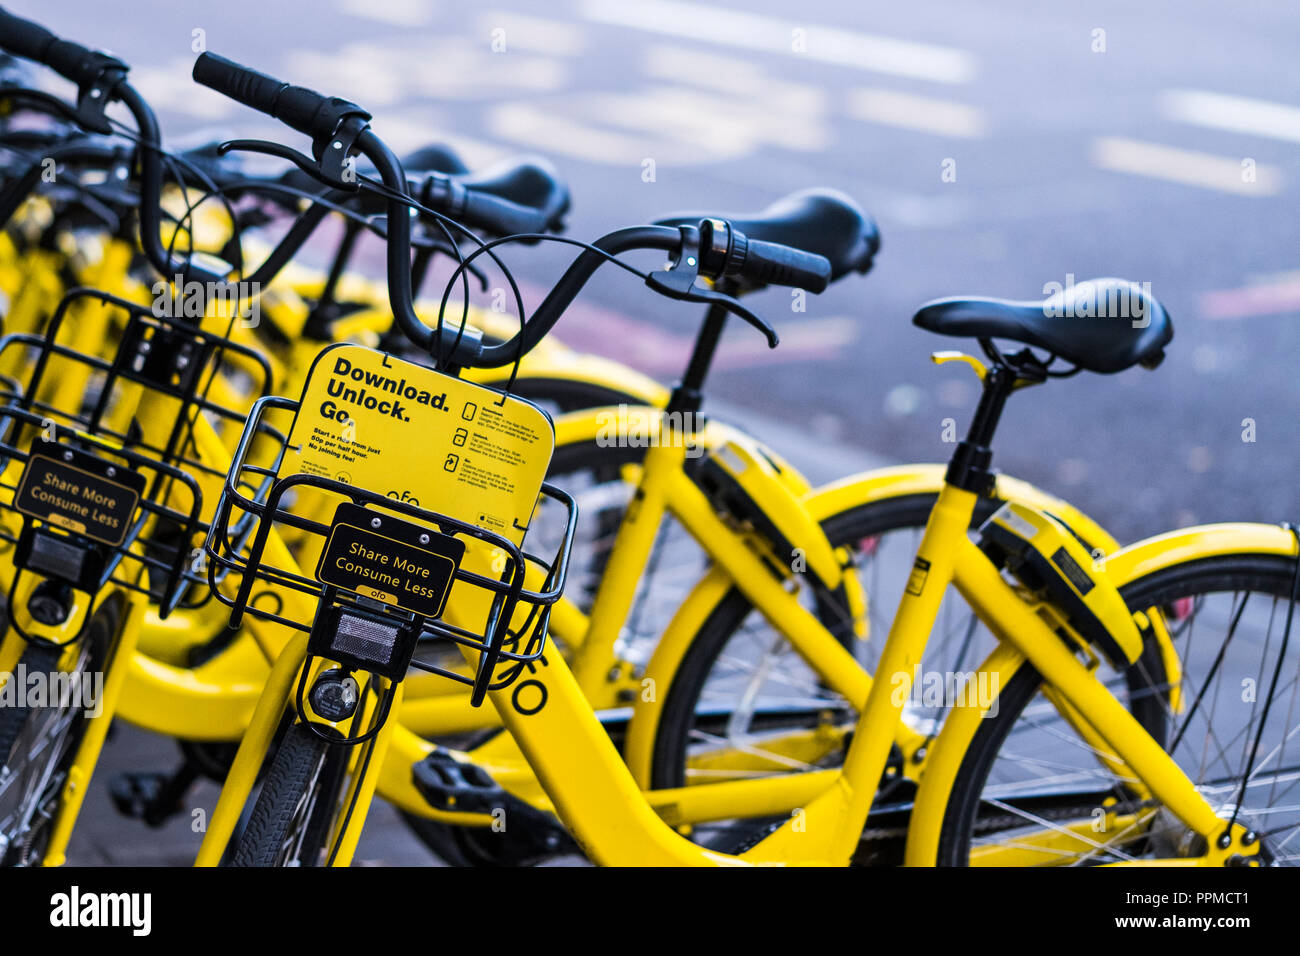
[969, 467]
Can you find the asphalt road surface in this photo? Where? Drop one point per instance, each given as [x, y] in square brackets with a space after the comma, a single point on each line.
[1002, 147]
[1101, 141]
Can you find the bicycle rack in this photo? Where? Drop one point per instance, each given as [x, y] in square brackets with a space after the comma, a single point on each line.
[154, 486]
[377, 635]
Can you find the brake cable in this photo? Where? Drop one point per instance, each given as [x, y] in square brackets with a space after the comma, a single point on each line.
[463, 265]
[304, 163]
[174, 162]
[676, 281]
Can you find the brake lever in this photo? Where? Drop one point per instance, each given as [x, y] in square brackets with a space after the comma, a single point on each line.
[678, 282]
[93, 99]
[305, 163]
[308, 165]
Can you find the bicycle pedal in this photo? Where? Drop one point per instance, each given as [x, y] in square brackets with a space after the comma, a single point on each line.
[526, 835]
[448, 784]
[150, 796]
[133, 792]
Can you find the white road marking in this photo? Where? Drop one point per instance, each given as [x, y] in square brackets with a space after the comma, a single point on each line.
[541, 35]
[402, 13]
[407, 130]
[1236, 113]
[532, 125]
[378, 73]
[368, 71]
[168, 88]
[724, 124]
[824, 44]
[917, 112]
[1184, 166]
[671, 125]
[733, 75]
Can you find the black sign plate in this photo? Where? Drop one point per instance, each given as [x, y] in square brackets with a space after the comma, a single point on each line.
[396, 562]
[73, 489]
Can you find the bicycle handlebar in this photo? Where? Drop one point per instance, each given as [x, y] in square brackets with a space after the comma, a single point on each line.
[730, 254]
[663, 238]
[479, 209]
[12, 196]
[104, 77]
[319, 117]
[31, 41]
[723, 251]
[768, 263]
[297, 107]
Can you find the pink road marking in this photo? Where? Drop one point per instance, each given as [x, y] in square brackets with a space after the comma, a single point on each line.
[657, 351]
[1265, 298]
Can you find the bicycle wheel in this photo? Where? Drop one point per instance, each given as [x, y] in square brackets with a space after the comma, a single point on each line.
[1031, 790]
[40, 742]
[294, 813]
[743, 703]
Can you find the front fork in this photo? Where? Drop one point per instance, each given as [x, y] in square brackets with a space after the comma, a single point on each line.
[259, 740]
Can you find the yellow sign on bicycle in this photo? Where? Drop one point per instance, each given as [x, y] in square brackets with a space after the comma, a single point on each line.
[420, 436]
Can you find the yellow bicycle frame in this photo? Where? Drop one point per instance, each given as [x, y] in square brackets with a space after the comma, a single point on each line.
[614, 823]
[594, 793]
[432, 706]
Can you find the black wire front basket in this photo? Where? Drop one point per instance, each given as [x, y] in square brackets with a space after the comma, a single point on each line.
[484, 592]
[104, 461]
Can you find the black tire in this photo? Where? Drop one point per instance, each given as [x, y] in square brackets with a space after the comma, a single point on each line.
[35, 658]
[296, 803]
[100, 635]
[1267, 574]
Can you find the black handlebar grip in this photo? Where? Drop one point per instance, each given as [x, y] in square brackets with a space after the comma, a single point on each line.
[501, 216]
[768, 263]
[297, 107]
[238, 82]
[23, 38]
[31, 41]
